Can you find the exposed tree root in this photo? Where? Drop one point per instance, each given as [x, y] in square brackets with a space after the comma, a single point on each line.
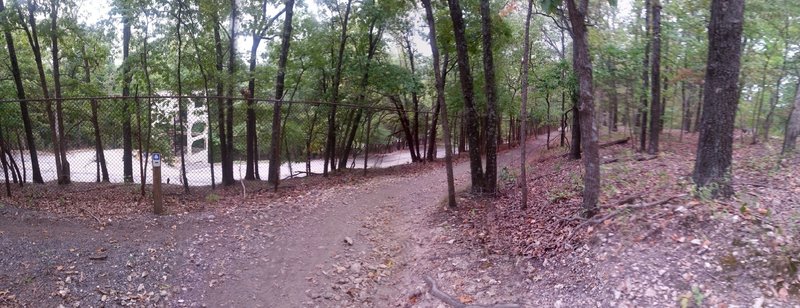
[453, 302]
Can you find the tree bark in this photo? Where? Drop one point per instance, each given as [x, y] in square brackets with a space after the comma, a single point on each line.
[62, 151]
[23, 104]
[439, 75]
[582, 64]
[273, 175]
[465, 75]
[712, 169]
[231, 85]
[490, 88]
[655, 90]
[127, 140]
[98, 141]
[226, 162]
[330, 148]
[792, 125]
[645, 78]
[181, 116]
[523, 155]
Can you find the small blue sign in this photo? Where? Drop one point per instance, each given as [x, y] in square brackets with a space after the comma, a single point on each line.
[156, 160]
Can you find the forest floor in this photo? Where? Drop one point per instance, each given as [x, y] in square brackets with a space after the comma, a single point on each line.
[374, 240]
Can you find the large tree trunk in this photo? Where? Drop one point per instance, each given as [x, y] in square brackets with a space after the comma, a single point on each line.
[712, 170]
[582, 64]
[465, 75]
[645, 78]
[490, 87]
[330, 147]
[23, 104]
[274, 172]
[440, 101]
[792, 125]
[655, 90]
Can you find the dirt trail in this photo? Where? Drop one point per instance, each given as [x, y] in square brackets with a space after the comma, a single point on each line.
[287, 252]
[307, 261]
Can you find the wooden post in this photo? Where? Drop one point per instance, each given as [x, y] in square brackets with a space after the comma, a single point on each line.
[158, 205]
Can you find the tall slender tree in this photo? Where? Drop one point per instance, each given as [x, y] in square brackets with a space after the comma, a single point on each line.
[275, 146]
[440, 101]
[23, 103]
[523, 111]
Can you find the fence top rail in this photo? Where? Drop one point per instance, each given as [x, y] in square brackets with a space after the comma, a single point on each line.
[207, 97]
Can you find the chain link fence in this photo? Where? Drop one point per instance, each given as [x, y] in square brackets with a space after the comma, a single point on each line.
[94, 142]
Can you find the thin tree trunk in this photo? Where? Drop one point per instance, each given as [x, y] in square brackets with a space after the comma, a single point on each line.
[524, 107]
[582, 65]
[273, 175]
[98, 141]
[62, 151]
[792, 125]
[226, 162]
[127, 142]
[439, 75]
[330, 148]
[23, 104]
[231, 79]
[181, 117]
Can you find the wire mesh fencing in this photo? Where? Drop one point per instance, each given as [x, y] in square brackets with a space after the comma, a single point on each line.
[200, 138]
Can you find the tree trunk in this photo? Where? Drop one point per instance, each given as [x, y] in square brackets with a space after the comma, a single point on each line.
[226, 162]
[575, 147]
[757, 112]
[231, 79]
[181, 114]
[645, 78]
[273, 175]
[98, 141]
[65, 176]
[330, 148]
[582, 64]
[655, 90]
[523, 155]
[712, 168]
[127, 140]
[23, 104]
[374, 38]
[699, 111]
[465, 75]
[792, 125]
[490, 87]
[439, 75]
